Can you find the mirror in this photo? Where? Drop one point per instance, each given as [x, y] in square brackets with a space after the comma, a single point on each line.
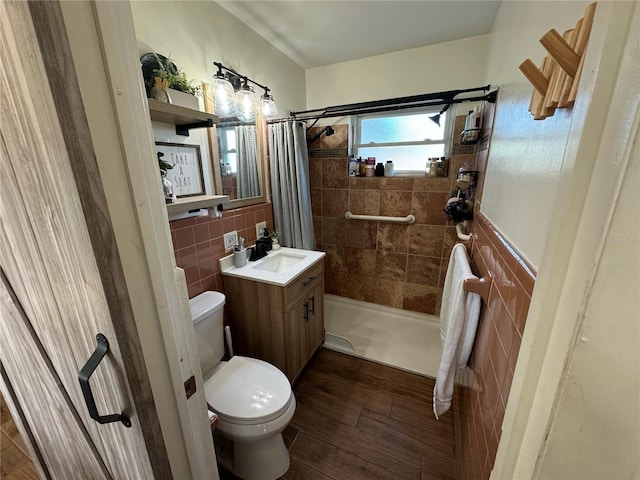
[238, 150]
[238, 158]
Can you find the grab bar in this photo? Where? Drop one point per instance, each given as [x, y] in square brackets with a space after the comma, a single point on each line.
[377, 218]
[461, 235]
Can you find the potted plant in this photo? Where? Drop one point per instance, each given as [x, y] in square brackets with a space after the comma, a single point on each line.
[169, 197]
[166, 82]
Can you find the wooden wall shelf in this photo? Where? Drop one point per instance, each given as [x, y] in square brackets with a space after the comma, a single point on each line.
[183, 118]
[186, 204]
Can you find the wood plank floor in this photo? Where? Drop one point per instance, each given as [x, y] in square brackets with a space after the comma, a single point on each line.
[355, 420]
[358, 420]
[15, 463]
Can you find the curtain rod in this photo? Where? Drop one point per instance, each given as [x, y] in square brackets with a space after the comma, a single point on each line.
[446, 97]
[490, 97]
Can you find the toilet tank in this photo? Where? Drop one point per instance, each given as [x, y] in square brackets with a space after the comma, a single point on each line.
[207, 311]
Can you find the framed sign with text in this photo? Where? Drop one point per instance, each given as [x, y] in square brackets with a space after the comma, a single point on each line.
[186, 176]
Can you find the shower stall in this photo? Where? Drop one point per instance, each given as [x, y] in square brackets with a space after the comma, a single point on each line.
[391, 336]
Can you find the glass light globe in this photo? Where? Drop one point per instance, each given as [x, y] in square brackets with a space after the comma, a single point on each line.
[246, 104]
[223, 97]
[268, 106]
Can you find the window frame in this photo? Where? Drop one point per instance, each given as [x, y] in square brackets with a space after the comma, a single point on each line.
[356, 121]
[224, 150]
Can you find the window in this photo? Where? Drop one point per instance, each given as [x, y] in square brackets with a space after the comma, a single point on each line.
[407, 138]
[227, 150]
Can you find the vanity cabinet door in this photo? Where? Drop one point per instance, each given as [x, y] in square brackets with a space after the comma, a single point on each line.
[295, 338]
[315, 323]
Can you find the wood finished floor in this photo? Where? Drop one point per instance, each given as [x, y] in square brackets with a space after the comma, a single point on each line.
[355, 420]
[15, 463]
[358, 420]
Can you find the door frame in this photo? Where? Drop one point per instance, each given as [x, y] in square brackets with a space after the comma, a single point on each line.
[104, 49]
[598, 150]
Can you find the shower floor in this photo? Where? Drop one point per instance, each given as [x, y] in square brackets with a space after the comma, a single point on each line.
[406, 340]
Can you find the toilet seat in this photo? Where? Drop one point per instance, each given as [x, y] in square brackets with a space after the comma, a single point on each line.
[247, 391]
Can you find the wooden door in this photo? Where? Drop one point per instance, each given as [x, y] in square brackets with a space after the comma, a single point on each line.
[61, 278]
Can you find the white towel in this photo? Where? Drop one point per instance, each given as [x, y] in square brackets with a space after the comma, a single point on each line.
[458, 323]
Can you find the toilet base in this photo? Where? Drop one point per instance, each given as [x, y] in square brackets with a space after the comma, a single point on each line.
[267, 459]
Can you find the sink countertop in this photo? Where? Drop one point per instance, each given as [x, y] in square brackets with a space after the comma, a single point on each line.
[274, 278]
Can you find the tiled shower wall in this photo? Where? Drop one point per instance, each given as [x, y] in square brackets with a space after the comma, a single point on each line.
[198, 243]
[401, 266]
[479, 410]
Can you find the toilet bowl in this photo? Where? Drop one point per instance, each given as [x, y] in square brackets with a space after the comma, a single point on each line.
[253, 399]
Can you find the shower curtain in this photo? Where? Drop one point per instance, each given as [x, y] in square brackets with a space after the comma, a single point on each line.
[247, 151]
[291, 192]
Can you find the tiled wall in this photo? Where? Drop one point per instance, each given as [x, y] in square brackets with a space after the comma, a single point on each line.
[479, 411]
[198, 243]
[401, 266]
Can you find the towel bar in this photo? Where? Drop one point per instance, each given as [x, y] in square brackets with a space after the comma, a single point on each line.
[481, 286]
[377, 218]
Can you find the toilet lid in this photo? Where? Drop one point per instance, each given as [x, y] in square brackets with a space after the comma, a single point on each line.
[248, 390]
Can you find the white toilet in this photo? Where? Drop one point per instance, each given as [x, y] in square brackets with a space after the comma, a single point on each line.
[252, 398]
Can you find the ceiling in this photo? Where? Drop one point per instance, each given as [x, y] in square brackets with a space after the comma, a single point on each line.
[314, 33]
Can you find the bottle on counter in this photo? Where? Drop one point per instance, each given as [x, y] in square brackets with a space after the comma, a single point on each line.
[388, 169]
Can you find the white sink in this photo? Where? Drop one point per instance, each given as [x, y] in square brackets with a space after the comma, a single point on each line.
[279, 267]
[279, 263]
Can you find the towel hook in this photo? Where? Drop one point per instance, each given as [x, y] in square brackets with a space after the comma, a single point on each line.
[481, 286]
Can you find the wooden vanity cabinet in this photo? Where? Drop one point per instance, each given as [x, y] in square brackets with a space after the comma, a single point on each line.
[281, 325]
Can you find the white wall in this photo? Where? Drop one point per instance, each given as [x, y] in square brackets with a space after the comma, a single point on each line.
[525, 156]
[445, 66]
[596, 430]
[197, 33]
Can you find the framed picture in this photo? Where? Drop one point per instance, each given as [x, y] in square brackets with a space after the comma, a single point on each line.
[186, 176]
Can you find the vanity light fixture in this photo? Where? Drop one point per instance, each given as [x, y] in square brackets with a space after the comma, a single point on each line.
[234, 96]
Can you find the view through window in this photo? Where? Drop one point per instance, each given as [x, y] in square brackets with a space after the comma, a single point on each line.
[406, 138]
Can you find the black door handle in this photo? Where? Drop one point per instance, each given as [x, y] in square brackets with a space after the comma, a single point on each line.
[83, 376]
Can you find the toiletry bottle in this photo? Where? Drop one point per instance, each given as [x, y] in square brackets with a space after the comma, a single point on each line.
[380, 170]
[476, 118]
[361, 167]
[467, 122]
[388, 169]
[353, 165]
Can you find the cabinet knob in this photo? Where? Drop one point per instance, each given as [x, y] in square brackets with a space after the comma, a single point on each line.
[311, 279]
